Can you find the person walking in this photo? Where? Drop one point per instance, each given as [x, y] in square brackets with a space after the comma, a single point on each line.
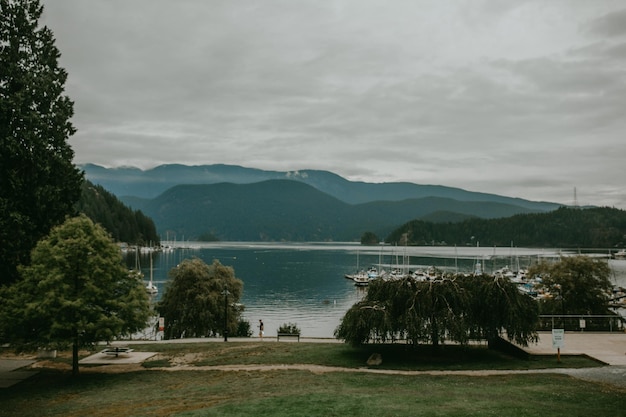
[261, 329]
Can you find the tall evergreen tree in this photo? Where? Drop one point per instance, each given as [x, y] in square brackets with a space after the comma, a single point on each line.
[39, 184]
[124, 224]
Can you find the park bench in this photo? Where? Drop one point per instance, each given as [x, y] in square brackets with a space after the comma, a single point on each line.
[287, 335]
[117, 350]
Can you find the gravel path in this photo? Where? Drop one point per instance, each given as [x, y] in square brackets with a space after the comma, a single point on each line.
[611, 375]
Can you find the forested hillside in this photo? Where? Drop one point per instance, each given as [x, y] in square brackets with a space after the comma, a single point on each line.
[565, 227]
[124, 224]
[284, 210]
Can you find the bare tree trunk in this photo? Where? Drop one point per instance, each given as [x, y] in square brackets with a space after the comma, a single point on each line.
[434, 333]
[75, 356]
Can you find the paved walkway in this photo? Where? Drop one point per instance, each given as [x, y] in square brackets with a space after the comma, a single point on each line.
[11, 371]
[609, 348]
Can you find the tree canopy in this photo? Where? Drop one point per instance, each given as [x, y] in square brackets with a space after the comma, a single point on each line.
[369, 238]
[498, 308]
[456, 308]
[576, 284]
[75, 292]
[566, 227]
[39, 184]
[124, 224]
[194, 303]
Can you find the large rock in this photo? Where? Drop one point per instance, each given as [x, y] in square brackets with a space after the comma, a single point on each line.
[375, 359]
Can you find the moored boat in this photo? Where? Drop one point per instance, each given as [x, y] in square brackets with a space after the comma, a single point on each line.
[150, 287]
[361, 280]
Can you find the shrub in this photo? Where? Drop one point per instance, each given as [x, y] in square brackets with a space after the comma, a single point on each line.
[243, 329]
[289, 328]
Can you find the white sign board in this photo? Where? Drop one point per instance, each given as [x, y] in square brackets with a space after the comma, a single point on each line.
[558, 338]
[582, 323]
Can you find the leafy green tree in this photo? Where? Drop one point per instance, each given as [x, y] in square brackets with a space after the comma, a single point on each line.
[75, 292]
[39, 185]
[369, 238]
[578, 285]
[194, 303]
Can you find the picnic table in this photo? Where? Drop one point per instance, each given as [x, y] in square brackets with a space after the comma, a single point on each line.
[117, 350]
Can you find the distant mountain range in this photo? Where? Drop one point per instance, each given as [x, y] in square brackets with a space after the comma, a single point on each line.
[238, 203]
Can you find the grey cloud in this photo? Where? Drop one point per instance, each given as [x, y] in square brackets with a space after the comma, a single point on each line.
[617, 52]
[488, 95]
[612, 24]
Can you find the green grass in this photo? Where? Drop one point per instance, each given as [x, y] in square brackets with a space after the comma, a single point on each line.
[169, 392]
[300, 393]
[395, 356]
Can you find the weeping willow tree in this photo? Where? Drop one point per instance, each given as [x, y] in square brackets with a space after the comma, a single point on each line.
[497, 308]
[457, 308]
[415, 310]
[201, 300]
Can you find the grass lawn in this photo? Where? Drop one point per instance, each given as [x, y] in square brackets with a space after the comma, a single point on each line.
[395, 356]
[170, 392]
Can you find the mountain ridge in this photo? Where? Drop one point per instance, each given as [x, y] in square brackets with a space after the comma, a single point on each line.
[131, 181]
[231, 202]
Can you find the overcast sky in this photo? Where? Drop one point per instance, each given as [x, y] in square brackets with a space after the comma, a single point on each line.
[519, 98]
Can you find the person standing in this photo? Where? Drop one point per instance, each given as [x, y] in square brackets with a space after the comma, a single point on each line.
[261, 329]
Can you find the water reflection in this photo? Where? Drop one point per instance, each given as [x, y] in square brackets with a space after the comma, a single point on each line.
[305, 284]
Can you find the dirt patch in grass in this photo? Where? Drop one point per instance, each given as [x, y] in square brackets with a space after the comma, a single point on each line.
[316, 358]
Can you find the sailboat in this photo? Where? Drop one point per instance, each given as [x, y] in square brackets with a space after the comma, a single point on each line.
[361, 278]
[151, 288]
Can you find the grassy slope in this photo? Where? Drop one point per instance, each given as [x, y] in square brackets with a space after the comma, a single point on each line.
[302, 393]
[396, 356]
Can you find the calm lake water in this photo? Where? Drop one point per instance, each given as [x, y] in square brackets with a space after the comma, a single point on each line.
[305, 284]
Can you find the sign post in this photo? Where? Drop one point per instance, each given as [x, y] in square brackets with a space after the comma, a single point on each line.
[558, 341]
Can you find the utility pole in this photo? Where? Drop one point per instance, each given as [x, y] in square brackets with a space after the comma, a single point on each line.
[225, 292]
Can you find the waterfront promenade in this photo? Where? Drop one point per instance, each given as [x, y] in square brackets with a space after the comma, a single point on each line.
[608, 348]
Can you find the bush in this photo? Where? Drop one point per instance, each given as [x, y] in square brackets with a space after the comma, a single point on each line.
[243, 329]
[289, 328]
